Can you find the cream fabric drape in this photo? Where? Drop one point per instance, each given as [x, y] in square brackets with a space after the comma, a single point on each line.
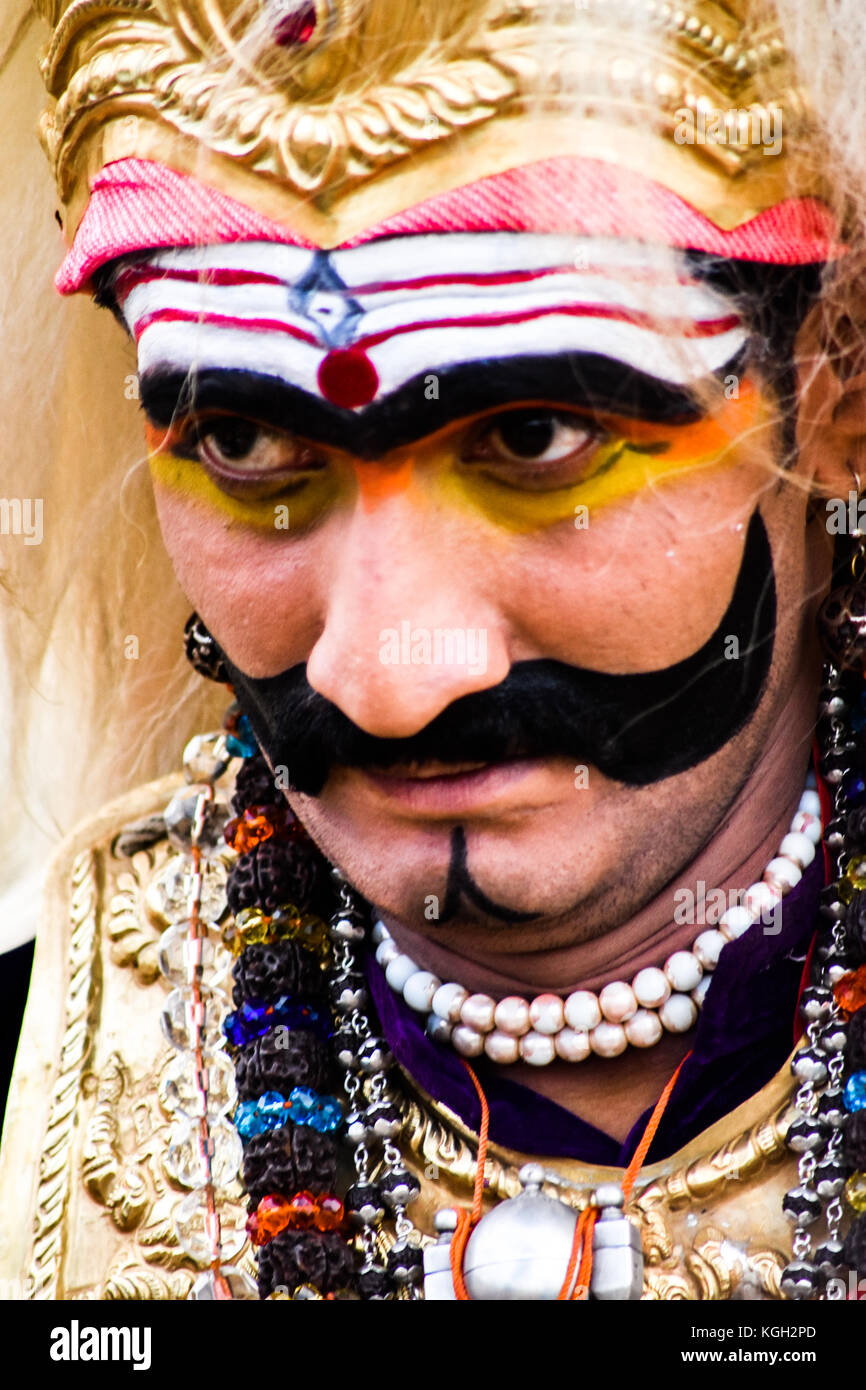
[87, 712]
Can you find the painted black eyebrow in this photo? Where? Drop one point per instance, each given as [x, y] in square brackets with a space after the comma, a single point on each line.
[580, 381]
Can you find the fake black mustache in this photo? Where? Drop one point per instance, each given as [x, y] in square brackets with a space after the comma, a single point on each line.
[636, 729]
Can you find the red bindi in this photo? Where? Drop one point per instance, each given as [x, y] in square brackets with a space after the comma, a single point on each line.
[348, 378]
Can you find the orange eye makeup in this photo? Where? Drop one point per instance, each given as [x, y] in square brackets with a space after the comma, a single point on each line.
[524, 468]
[611, 458]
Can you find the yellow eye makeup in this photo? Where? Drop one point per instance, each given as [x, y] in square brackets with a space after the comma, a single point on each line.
[253, 476]
[522, 469]
[612, 458]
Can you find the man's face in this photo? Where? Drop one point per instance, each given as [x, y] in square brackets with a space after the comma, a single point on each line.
[413, 469]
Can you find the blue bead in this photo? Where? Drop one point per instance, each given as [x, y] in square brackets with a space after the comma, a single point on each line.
[242, 743]
[283, 1008]
[272, 1103]
[304, 1103]
[321, 1023]
[287, 1013]
[253, 1012]
[234, 1030]
[854, 789]
[328, 1116]
[247, 1120]
[256, 1018]
[313, 1021]
[855, 1092]
[322, 1113]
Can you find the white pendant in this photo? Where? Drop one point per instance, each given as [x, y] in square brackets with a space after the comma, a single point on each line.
[520, 1251]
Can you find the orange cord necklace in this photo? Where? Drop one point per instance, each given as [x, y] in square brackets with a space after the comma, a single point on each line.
[580, 1260]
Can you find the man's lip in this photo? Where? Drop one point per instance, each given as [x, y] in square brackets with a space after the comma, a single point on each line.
[423, 772]
[448, 788]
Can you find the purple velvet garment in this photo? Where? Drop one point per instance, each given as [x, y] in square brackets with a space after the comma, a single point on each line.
[744, 1033]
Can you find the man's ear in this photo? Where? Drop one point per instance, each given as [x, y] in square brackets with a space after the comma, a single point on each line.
[831, 387]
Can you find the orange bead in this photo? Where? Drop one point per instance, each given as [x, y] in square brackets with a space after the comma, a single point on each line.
[850, 991]
[231, 832]
[330, 1214]
[255, 826]
[273, 1214]
[304, 1209]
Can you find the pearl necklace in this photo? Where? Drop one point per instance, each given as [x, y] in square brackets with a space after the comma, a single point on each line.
[621, 1014]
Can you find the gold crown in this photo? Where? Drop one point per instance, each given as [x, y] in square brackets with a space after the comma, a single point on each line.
[331, 115]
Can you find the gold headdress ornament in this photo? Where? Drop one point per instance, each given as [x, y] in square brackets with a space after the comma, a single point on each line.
[331, 115]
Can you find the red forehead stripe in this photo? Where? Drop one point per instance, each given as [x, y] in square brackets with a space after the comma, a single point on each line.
[138, 205]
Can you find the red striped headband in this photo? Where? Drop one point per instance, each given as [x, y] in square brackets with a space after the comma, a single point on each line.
[138, 205]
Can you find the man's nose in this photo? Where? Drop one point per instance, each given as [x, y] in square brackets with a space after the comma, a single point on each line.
[409, 626]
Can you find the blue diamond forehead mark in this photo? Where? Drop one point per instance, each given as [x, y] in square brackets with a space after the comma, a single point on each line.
[321, 296]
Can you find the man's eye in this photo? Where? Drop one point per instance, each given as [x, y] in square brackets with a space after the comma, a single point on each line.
[538, 438]
[244, 446]
[536, 447]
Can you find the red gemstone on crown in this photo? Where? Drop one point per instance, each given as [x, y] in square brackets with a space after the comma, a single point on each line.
[296, 23]
[348, 378]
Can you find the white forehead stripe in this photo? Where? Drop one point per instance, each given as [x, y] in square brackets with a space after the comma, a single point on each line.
[352, 326]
